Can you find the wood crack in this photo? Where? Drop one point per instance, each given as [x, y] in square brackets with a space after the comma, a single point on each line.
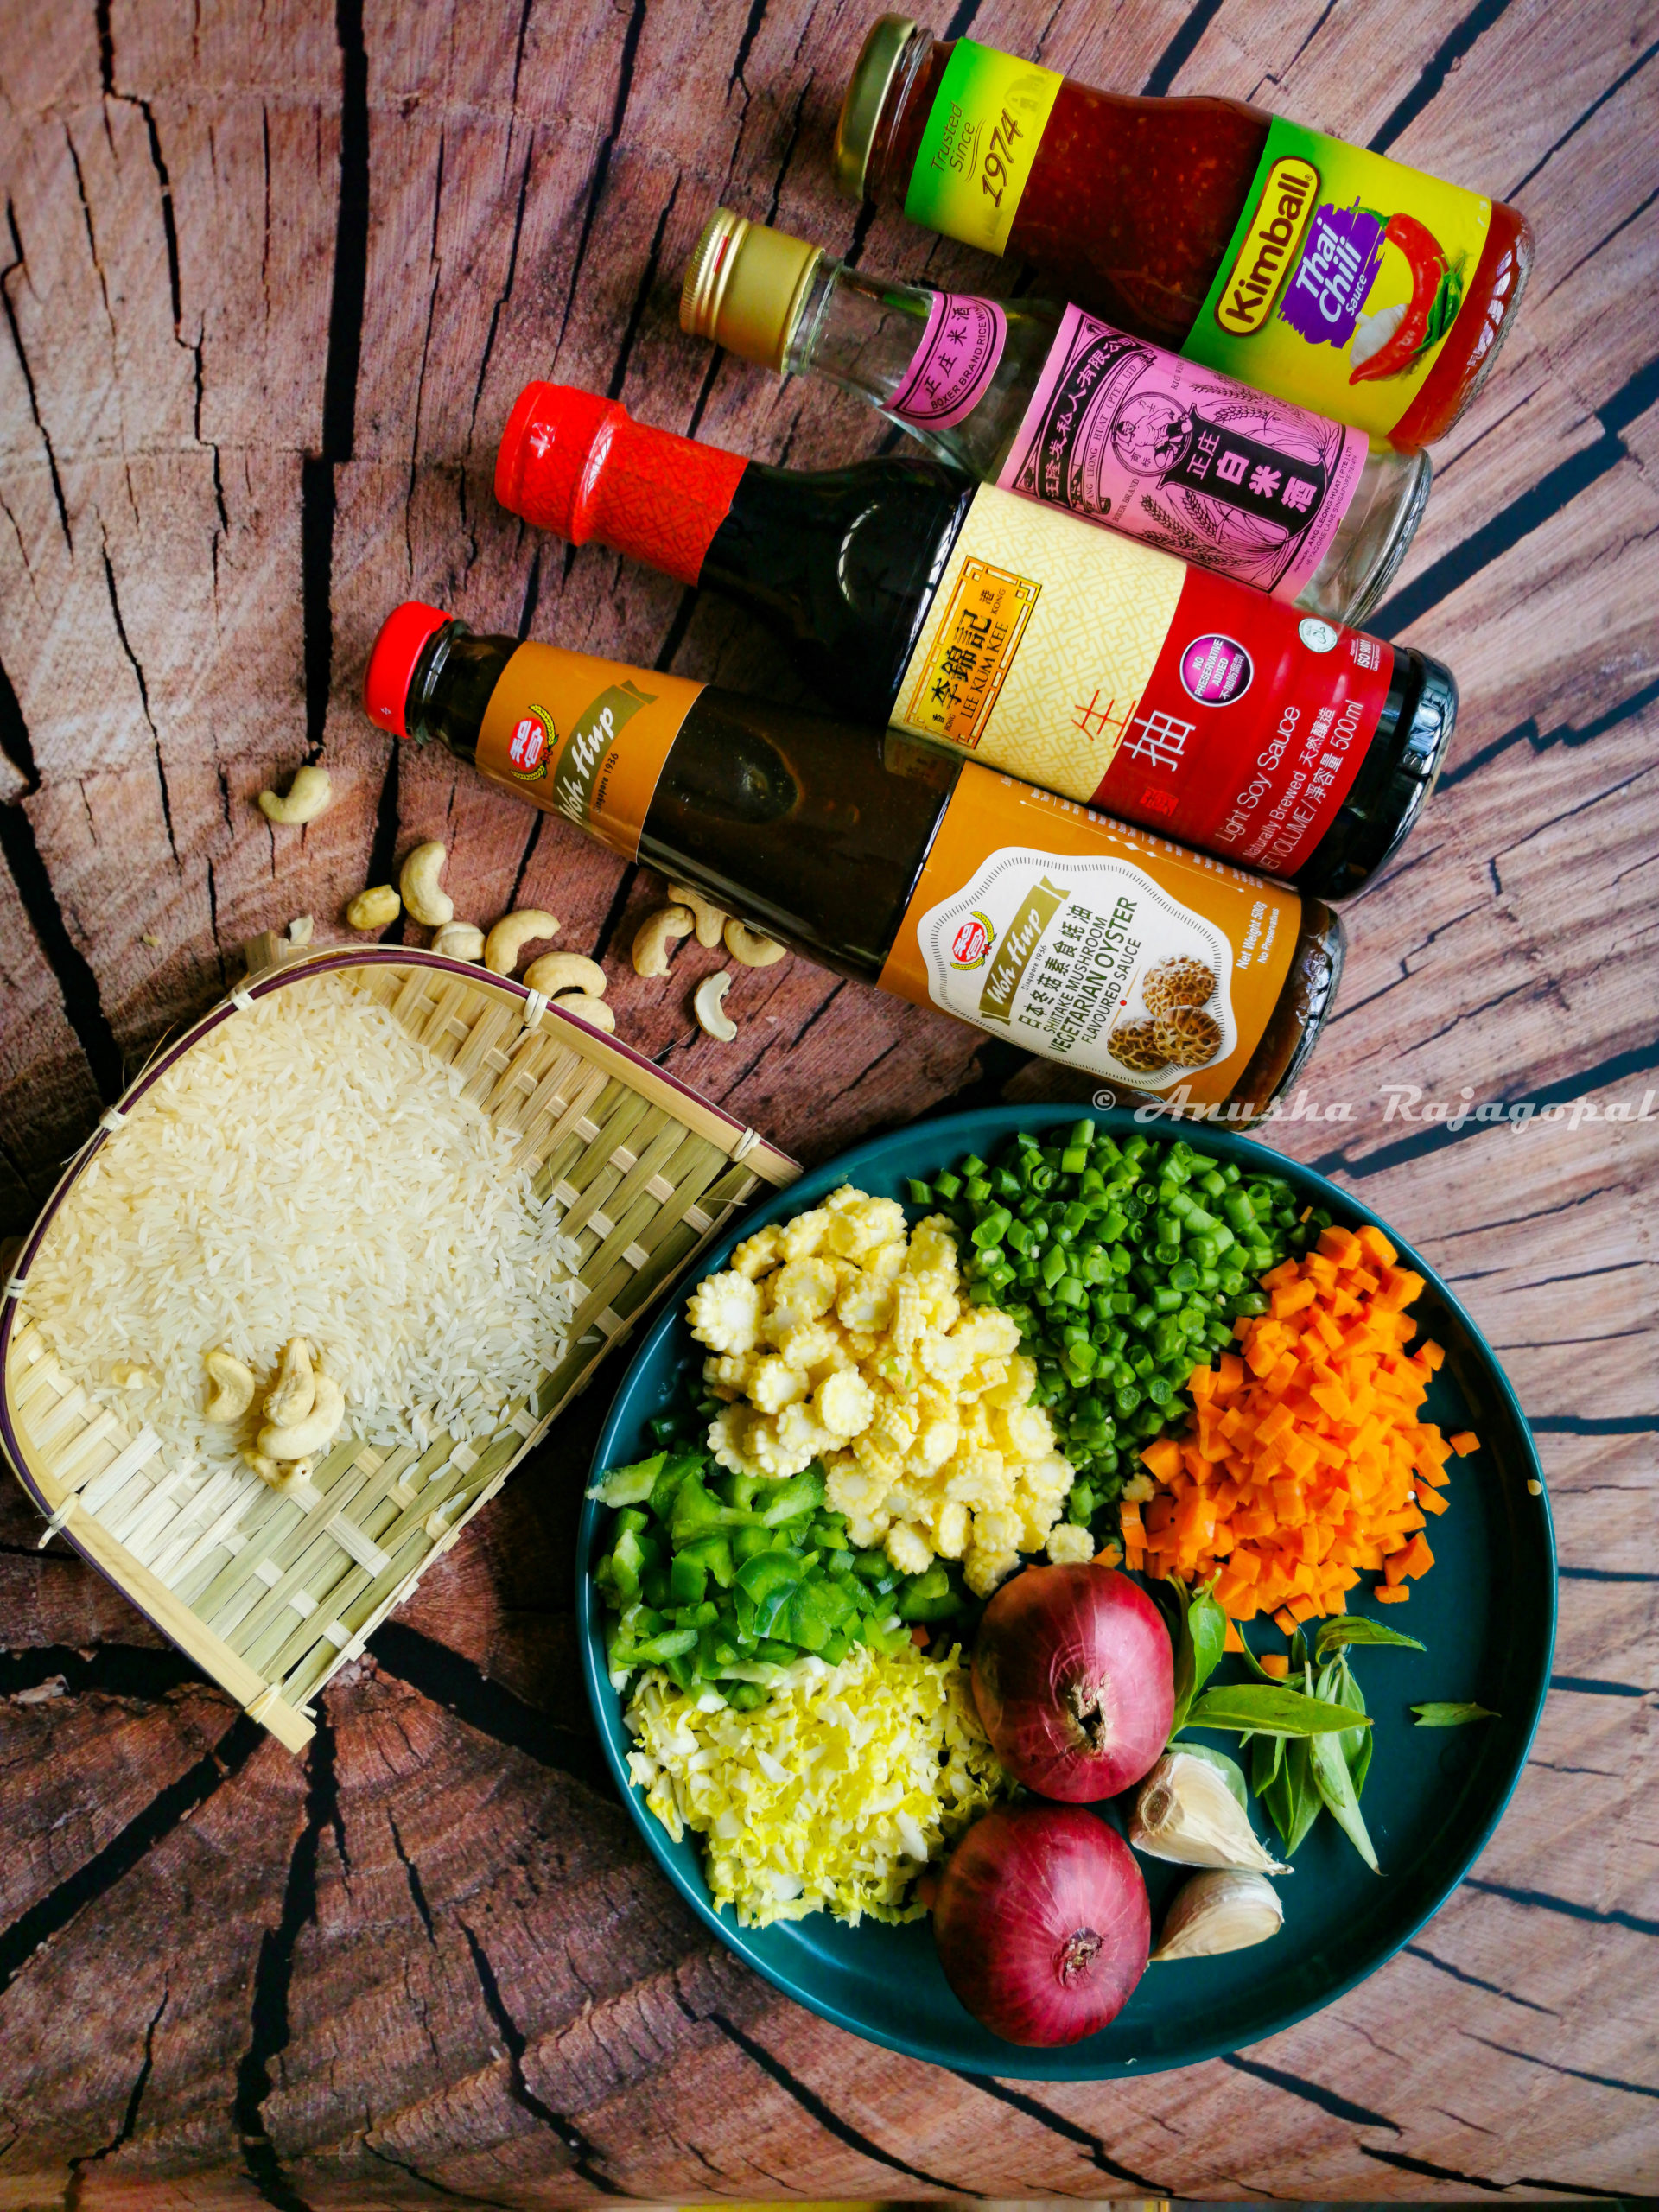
[1057, 2124]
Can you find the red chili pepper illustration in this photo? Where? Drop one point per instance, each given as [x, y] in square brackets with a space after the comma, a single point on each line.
[1422, 251]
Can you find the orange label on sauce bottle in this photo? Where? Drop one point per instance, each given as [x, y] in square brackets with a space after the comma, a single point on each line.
[1091, 942]
[583, 737]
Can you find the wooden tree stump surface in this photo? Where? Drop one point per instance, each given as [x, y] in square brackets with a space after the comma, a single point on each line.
[272, 276]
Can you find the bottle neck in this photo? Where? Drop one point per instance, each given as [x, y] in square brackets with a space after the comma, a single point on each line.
[452, 686]
[899, 126]
[955, 371]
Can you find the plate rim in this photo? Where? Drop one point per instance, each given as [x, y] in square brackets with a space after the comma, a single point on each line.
[1022, 2062]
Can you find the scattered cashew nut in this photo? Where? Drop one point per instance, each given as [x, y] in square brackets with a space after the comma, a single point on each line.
[709, 1008]
[373, 908]
[233, 1386]
[586, 1007]
[299, 930]
[418, 882]
[566, 971]
[749, 948]
[299, 1440]
[710, 919]
[511, 934]
[460, 940]
[308, 795]
[128, 1375]
[655, 934]
[289, 1398]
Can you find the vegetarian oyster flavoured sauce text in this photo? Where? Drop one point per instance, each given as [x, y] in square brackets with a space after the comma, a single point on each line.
[1098, 668]
[1030, 918]
[1320, 272]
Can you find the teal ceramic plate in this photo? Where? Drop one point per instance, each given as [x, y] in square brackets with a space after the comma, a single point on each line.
[1486, 1612]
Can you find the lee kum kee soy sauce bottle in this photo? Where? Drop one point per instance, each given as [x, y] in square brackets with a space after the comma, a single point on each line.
[1115, 953]
[1096, 667]
[1057, 405]
[1321, 271]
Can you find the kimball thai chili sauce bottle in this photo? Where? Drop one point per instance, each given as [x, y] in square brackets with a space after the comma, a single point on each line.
[1099, 668]
[1059, 406]
[1321, 272]
[1084, 940]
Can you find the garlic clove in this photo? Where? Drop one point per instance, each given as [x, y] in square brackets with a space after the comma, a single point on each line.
[1217, 1912]
[1186, 1812]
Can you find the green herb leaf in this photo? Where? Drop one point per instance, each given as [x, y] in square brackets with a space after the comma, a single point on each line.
[1358, 1743]
[1267, 1762]
[1302, 1792]
[1253, 1664]
[1354, 1628]
[1450, 1716]
[1277, 1794]
[1336, 1787]
[1259, 1705]
[1200, 1635]
[1229, 1770]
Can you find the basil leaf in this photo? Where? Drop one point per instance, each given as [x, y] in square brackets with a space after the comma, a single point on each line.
[1335, 1788]
[1260, 1705]
[1354, 1628]
[1230, 1772]
[1206, 1625]
[1448, 1716]
[1303, 1793]
[1253, 1662]
[1186, 1660]
[1277, 1796]
[1267, 1762]
[1358, 1743]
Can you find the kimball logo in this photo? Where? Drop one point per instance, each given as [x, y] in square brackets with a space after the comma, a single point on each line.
[530, 743]
[1270, 246]
[970, 946]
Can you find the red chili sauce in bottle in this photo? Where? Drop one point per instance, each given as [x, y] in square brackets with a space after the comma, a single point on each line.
[1130, 205]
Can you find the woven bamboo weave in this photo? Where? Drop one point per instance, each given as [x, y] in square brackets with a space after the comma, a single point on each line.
[272, 1591]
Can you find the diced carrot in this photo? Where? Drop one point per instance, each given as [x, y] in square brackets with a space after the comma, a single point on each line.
[1305, 1466]
[1393, 1593]
[1276, 1664]
[1232, 1641]
[1464, 1442]
[1110, 1557]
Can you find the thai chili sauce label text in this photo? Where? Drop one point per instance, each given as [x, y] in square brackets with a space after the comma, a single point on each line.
[1343, 279]
[1107, 672]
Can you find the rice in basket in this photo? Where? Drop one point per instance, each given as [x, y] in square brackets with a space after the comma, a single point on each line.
[308, 1170]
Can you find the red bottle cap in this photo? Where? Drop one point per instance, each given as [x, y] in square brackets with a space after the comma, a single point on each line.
[392, 664]
[578, 465]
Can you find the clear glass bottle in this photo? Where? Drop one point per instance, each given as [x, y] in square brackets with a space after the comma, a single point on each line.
[1054, 403]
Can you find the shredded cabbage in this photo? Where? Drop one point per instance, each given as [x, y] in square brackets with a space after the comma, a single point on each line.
[832, 1796]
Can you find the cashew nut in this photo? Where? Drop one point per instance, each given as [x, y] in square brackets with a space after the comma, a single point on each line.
[511, 934]
[299, 1440]
[279, 1474]
[374, 908]
[566, 971]
[127, 1375]
[710, 919]
[652, 937]
[586, 1007]
[749, 948]
[233, 1391]
[308, 795]
[709, 1007]
[299, 930]
[290, 1396]
[419, 884]
[460, 940]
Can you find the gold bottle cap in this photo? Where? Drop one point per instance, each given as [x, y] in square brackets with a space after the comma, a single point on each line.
[867, 94]
[746, 288]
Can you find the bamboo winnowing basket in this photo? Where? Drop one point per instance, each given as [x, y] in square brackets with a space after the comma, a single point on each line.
[271, 1592]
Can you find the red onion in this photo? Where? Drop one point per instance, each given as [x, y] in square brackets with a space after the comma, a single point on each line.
[1042, 1923]
[1075, 1681]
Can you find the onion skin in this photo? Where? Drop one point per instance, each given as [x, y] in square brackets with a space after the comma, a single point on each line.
[1042, 1924]
[1075, 1681]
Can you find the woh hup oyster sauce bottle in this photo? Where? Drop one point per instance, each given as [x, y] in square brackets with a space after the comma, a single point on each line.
[1154, 969]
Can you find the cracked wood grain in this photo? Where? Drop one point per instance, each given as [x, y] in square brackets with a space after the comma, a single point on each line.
[271, 278]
